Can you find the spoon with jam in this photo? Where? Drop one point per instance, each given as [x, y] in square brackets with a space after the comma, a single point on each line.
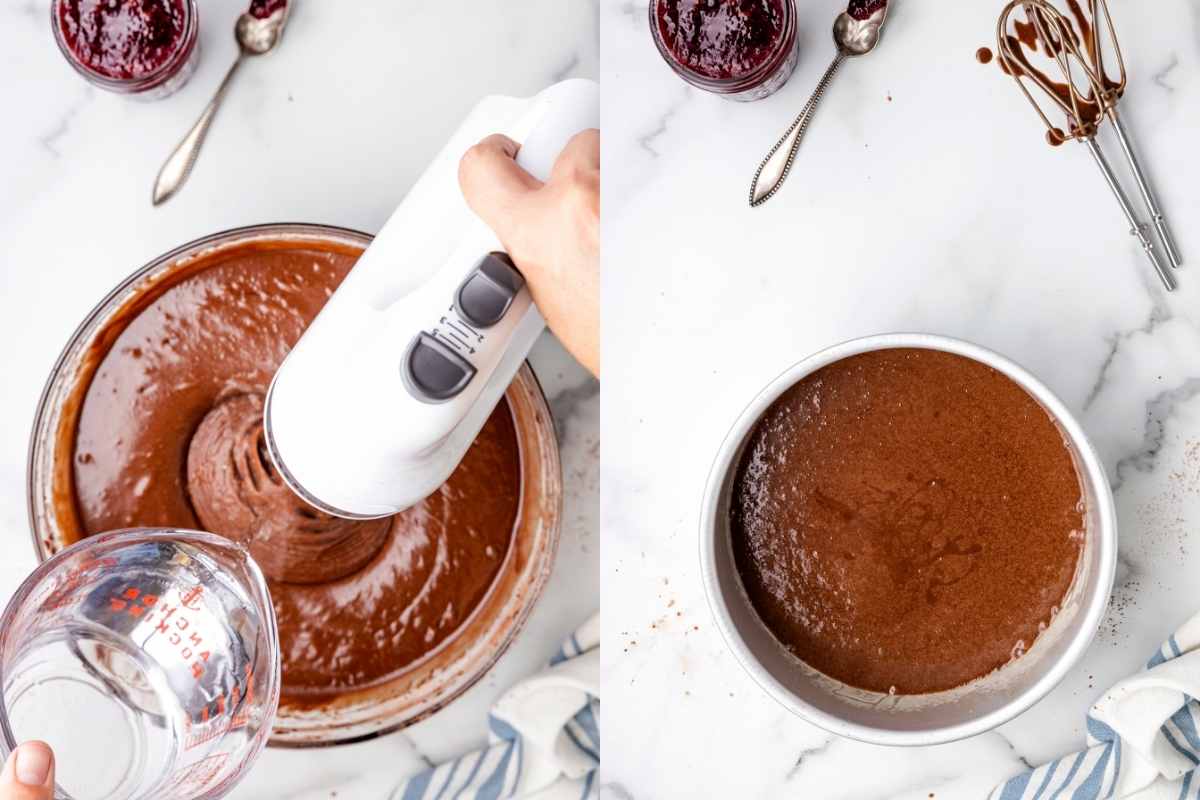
[257, 31]
[856, 31]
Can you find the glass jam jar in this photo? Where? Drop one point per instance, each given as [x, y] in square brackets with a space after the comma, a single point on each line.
[740, 49]
[143, 48]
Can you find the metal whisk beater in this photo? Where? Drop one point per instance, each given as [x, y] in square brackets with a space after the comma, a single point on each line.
[1088, 97]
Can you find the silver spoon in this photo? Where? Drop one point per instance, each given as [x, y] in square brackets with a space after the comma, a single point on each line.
[853, 37]
[255, 37]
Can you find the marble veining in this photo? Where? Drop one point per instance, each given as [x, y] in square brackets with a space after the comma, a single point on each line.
[807, 754]
[566, 404]
[1160, 77]
[646, 140]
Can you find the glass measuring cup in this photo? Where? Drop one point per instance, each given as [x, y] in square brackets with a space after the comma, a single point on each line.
[149, 661]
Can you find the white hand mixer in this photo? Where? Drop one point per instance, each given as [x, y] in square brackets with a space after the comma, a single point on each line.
[383, 395]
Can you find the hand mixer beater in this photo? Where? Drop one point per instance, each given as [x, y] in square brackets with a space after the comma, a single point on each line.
[1088, 96]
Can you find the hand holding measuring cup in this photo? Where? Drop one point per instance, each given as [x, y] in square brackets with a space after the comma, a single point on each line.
[148, 660]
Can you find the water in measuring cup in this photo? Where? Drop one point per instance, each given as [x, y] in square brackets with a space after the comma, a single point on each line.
[140, 677]
[64, 692]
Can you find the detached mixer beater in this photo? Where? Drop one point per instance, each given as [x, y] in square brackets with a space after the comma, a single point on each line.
[1088, 95]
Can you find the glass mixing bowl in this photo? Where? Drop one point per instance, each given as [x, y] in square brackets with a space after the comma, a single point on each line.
[425, 686]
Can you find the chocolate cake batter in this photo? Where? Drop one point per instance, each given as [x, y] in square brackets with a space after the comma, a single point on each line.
[906, 520]
[170, 434]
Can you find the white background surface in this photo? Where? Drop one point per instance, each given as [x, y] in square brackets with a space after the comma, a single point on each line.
[924, 199]
[332, 128]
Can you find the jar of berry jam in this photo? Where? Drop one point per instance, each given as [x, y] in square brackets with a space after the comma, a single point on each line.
[739, 49]
[144, 48]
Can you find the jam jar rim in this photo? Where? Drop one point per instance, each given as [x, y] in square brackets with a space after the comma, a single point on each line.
[151, 80]
[741, 83]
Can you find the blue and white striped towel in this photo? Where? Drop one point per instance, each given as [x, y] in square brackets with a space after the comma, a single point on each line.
[1143, 737]
[543, 740]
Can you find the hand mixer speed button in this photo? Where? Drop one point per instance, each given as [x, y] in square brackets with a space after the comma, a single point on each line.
[433, 372]
[485, 296]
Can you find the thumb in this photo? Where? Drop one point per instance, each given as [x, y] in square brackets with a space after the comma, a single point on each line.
[495, 188]
[29, 773]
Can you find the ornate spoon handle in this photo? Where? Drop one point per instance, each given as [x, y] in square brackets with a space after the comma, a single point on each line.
[178, 166]
[774, 169]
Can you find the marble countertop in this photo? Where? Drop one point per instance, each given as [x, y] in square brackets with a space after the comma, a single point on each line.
[332, 128]
[924, 199]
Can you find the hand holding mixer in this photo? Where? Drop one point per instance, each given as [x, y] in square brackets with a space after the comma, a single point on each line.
[383, 395]
[1087, 97]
